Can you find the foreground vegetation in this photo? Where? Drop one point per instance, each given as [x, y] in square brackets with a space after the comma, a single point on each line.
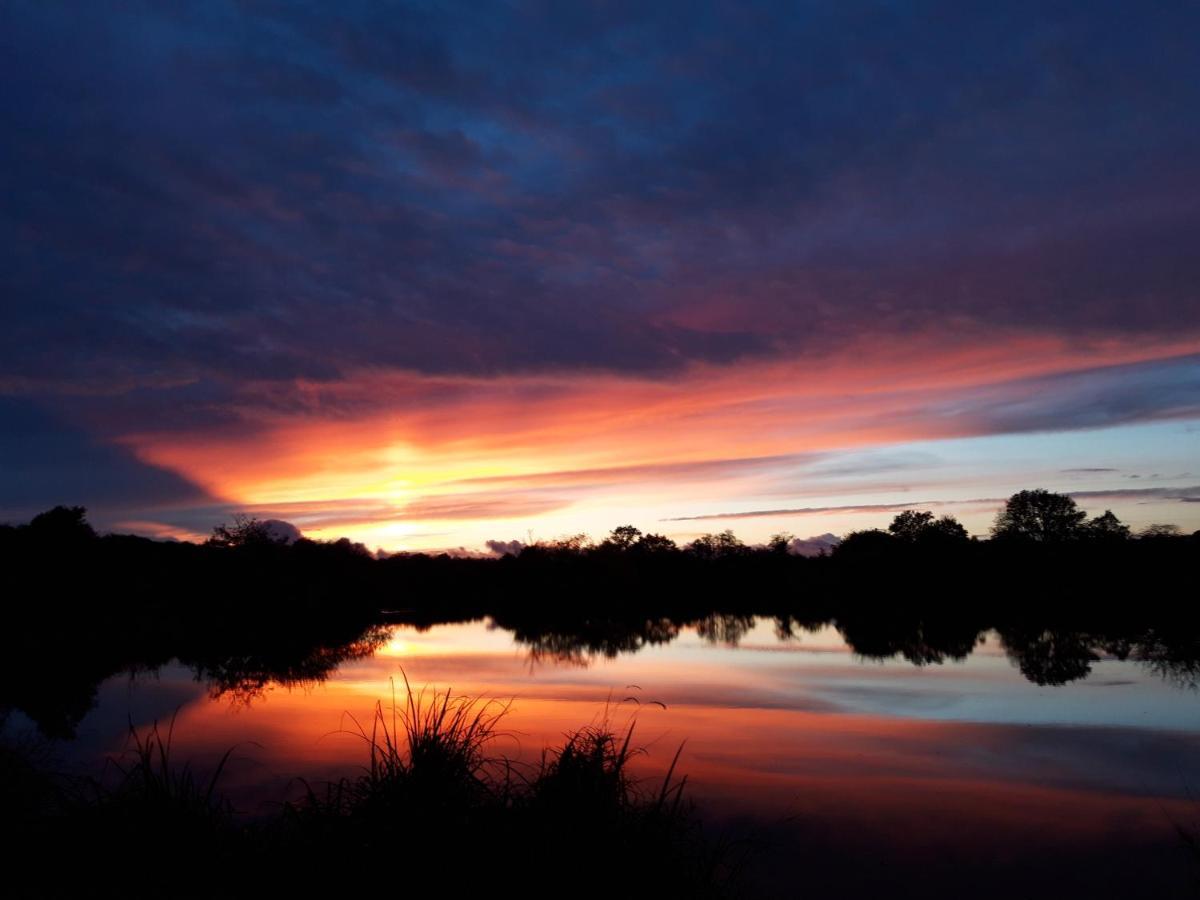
[432, 810]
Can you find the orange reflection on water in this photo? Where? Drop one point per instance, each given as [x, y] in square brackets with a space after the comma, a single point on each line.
[756, 719]
[769, 738]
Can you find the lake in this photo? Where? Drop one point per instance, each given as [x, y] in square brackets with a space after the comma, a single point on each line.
[827, 771]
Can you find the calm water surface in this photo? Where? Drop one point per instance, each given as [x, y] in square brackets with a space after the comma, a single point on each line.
[838, 774]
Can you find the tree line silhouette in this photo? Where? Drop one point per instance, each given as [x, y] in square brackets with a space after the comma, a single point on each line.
[247, 607]
[1044, 553]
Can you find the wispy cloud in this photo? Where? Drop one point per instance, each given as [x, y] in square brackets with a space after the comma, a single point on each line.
[1182, 494]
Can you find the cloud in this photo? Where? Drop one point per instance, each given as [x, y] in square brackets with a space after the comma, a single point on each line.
[45, 462]
[279, 530]
[708, 422]
[1185, 494]
[699, 470]
[254, 252]
[814, 546]
[819, 510]
[1136, 391]
[1181, 494]
[544, 199]
[501, 548]
[479, 506]
[330, 516]
[460, 449]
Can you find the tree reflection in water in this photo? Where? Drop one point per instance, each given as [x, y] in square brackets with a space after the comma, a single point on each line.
[1046, 655]
[241, 663]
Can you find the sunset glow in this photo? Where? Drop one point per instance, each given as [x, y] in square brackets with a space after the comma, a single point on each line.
[605, 448]
[509, 288]
[493, 458]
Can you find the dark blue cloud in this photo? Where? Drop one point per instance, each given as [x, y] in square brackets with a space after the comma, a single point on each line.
[1099, 398]
[46, 462]
[201, 194]
[258, 190]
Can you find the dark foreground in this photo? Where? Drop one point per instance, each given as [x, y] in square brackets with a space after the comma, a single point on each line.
[436, 806]
[432, 811]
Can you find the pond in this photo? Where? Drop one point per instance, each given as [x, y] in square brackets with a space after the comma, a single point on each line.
[828, 771]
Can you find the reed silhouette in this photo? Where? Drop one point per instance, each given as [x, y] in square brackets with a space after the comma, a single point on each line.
[435, 808]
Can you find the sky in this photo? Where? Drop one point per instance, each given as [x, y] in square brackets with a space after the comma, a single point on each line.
[431, 276]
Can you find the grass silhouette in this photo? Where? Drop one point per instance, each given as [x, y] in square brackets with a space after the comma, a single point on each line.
[434, 807]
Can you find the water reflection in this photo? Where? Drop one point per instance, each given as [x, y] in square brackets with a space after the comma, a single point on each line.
[1045, 654]
[578, 644]
[889, 753]
[240, 663]
[245, 677]
[235, 660]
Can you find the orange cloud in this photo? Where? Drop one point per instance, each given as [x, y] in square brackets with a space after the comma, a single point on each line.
[420, 447]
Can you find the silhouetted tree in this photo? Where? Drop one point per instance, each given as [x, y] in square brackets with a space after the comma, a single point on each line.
[347, 547]
[921, 527]
[872, 542]
[246, 531]
[655, 544]
[1160, 531]
[622, 538]
[717, 546]
[946, 530]
[909, 524]
[568, 545]
[1107, 528]
[63, 524]
[1039, 515]
[780, 543]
